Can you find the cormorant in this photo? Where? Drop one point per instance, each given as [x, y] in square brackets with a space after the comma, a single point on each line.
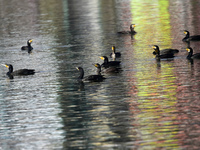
[168, 51]
[160, 56]
[20, 72]
[115, 54]
[191, 55]
[189, 38]
[132, 31]
[28, 47]
[91, 78]
[107, 63]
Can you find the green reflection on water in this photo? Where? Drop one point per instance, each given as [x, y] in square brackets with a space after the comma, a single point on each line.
[155, 81]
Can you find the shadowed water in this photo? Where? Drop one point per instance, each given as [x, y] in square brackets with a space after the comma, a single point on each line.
[148, 105]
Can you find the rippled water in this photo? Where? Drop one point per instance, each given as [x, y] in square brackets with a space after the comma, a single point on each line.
[148, 105]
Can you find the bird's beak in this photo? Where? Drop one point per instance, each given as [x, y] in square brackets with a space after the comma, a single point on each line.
[101, 57]
[134, 25]
[31, 41]
[188, 49]
[77, 68]
[5, 65]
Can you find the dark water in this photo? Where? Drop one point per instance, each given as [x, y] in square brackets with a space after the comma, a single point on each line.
[149, 105]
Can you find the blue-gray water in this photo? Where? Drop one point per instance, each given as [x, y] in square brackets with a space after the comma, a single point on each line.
[148, 105]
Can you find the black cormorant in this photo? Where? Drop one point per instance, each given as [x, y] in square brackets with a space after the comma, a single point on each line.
[167, 51]
[115, 54]
[112, 69]
[191, 55]
[132, 31]
[28, 47]
[107, 63]
[188, 38]
[160, 56]
[91, 78]
[20, 72]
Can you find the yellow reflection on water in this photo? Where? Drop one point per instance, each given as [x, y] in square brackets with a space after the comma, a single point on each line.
[155, 80]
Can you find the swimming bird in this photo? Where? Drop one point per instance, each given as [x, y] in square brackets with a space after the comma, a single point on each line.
[132, 31]
[28, 47]
[108, 63]
[160, 56]
[191, 55]
[20, 72]
[188, 38]
[115, 54]
[112, 69]
[90, 78]
[168, 51]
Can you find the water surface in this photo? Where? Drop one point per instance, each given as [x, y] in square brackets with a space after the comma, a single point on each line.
[148, 105]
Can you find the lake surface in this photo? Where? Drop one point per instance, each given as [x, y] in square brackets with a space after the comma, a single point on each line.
[148, 105]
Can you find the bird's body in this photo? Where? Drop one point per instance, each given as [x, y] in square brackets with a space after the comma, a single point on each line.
[91, 78]
[157, 52]
[112, 69]
[191, 55]
[115, 54]
[28, 47]
[107, 63]
[20, 72]
[167, 51]
[132, 31]
[189, 38]
[23, 72]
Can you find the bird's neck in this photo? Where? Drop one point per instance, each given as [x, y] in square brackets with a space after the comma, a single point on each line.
[81, 74]
[106, 61]
[10, 69]
[98, 71]
[113, 49]
[190, 54]
[10, 76]
[132, 30]
[9, 73]
[187, 35]
[158, 52]
[113, 56]
[29, 44]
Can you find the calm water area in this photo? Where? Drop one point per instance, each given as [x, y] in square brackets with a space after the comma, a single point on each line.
[149, 105]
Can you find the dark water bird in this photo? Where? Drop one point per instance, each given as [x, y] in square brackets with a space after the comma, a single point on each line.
[159, 55]
[132, 31]
[108, 63]
[165, 51]
[113, 69]
[115, 54]
[20, 72]
[28, 47]
[91, 78]
[188, 38]
[191, 55]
